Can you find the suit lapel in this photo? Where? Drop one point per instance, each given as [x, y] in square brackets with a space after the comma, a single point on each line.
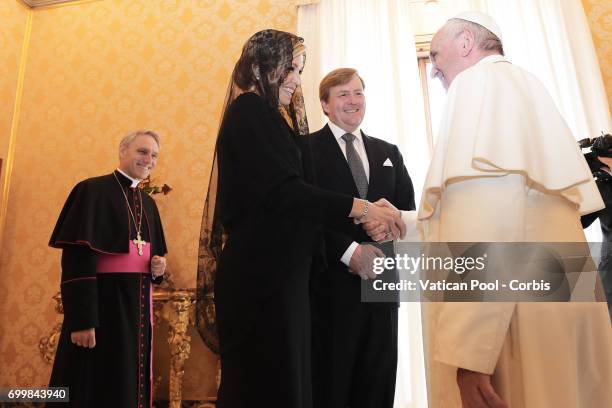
[341, 170]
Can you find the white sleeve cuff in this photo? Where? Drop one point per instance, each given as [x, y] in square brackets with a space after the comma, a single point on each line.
[413, 233]
[348, 254]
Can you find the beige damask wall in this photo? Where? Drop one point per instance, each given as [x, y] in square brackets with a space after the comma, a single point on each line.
[96, 70]
[13, 16]
[599, 14]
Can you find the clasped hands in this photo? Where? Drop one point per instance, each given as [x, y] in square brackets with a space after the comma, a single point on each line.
[382, 222]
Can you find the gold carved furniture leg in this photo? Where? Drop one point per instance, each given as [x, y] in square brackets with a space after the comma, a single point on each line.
[179, 318]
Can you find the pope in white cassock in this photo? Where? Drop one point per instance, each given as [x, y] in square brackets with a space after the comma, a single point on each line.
[506, 168]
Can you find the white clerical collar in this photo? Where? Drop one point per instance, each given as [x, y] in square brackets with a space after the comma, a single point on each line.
[132, 179]
[338, 132]
[492, 58]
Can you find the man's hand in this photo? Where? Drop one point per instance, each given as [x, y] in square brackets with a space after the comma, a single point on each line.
[158, 266]
[84, 338]
[378, 231]
[605, 160]
[476, 390]
[362, 261]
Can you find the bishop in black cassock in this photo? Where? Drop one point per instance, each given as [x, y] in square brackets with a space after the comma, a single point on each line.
[112, 245]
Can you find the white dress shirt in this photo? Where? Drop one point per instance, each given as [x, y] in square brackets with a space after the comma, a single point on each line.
[338, 132]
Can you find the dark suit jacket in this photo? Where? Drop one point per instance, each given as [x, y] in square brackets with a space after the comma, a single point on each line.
[332, 173]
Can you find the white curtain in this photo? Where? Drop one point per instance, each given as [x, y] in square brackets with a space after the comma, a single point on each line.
[375, 38]
[552, 40]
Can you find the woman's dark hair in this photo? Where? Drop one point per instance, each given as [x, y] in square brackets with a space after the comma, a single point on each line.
[264, 63]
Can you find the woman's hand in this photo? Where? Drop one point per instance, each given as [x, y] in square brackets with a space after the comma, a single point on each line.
[378, 231]
[388, 218]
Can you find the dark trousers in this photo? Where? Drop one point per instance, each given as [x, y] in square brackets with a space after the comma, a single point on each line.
[354, 354]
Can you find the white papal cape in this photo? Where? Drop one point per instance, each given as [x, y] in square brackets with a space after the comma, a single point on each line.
[506, 168]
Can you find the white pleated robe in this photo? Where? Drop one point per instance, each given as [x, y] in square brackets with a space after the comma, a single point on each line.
[507, 169]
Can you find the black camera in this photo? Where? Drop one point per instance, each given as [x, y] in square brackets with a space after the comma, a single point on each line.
[600, 146]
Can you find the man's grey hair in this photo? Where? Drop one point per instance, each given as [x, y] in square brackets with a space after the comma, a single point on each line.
[129, 138]
[485, 40]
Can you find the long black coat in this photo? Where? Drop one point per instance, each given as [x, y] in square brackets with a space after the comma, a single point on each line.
[271, 217]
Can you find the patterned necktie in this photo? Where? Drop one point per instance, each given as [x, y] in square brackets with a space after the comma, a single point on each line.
[356, 166]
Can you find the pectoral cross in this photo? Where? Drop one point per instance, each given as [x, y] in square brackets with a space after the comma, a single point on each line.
[139, 243]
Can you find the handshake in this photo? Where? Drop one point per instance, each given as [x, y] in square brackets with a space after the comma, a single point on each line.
[382, 222]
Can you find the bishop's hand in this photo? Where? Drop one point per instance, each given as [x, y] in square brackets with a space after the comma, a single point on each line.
[158, 266]
[84, 338]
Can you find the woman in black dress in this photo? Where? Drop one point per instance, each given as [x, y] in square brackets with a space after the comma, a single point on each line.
[260, 228]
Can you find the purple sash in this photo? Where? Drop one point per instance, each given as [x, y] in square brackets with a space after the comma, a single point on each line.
[126, 263]
[132, 263]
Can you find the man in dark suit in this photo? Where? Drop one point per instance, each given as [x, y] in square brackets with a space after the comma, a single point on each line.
[354, 343]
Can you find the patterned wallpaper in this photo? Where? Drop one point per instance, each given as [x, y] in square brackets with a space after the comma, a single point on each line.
[95, 71]
[12, 28]
[599, 14]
